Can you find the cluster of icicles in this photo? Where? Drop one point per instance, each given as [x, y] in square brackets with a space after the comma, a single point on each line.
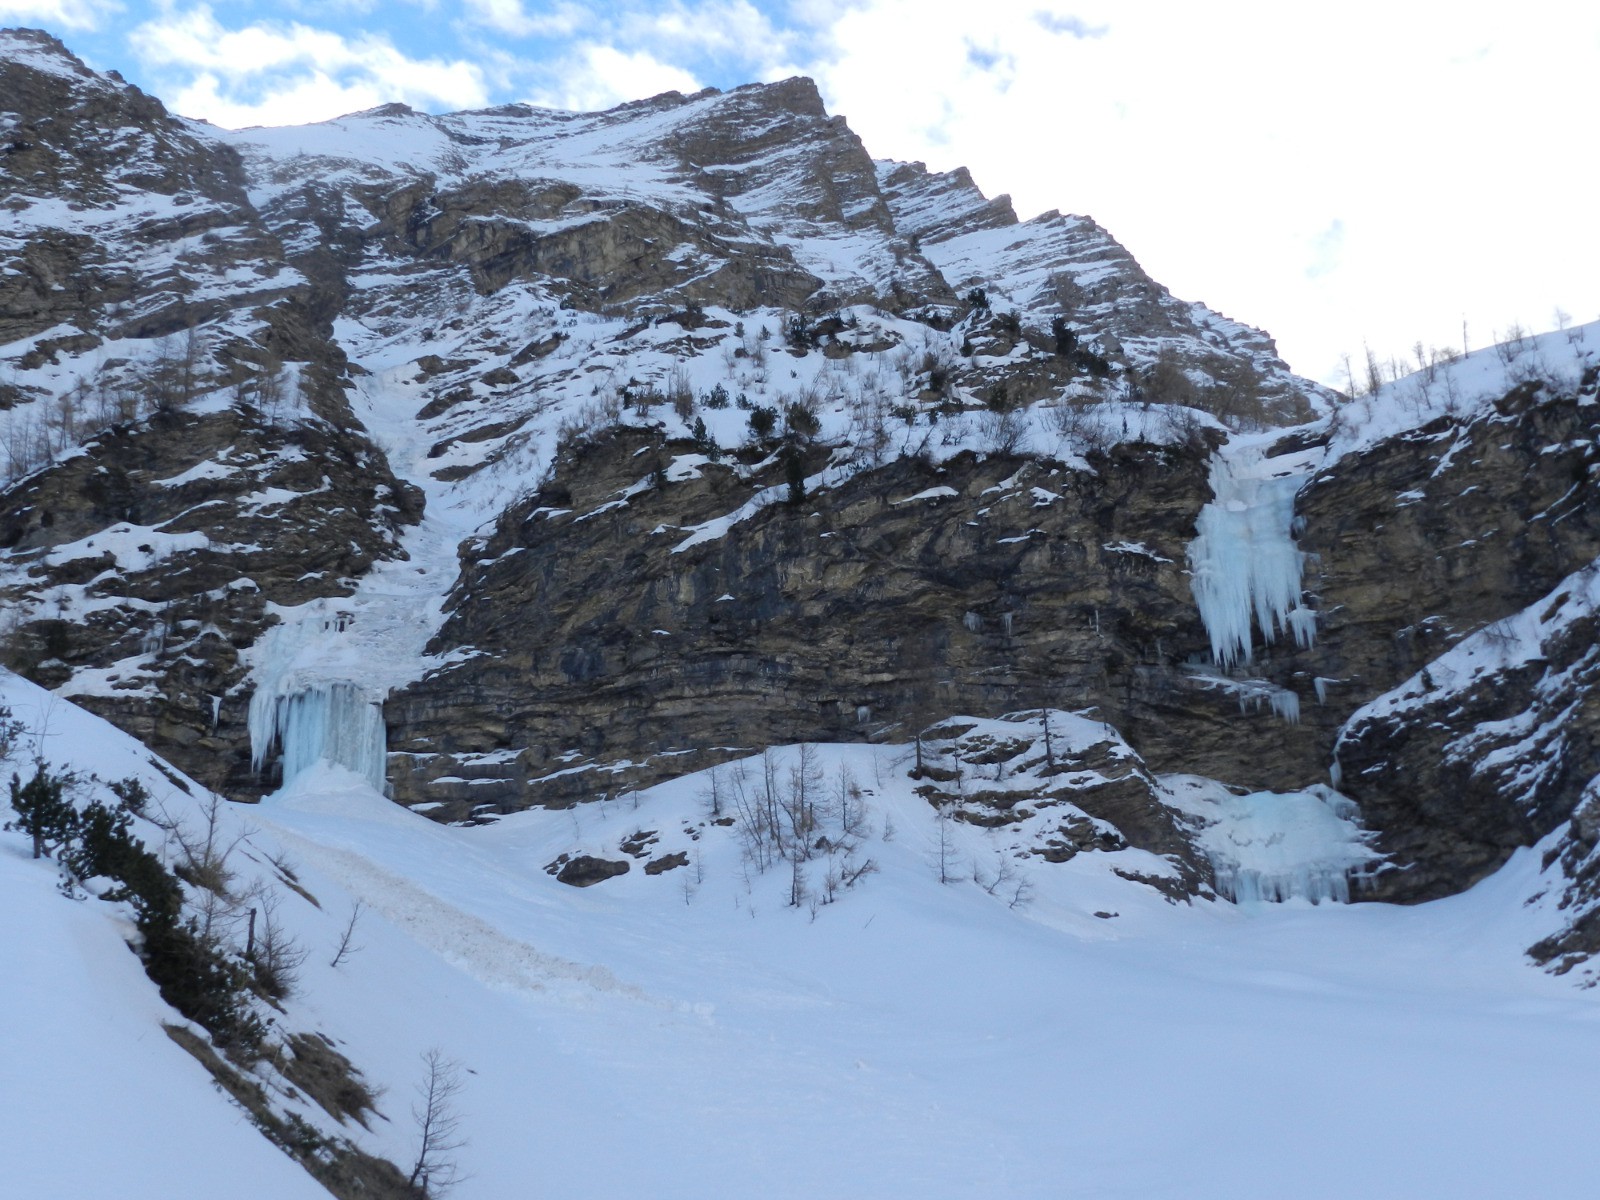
[1245, 564]
[310, 719]
[337, 723]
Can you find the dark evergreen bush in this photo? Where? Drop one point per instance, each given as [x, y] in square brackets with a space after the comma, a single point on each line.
[195, 973]
[763, 420]
[43, 811]
[202, 982]
[1066, 339]
[794, 471]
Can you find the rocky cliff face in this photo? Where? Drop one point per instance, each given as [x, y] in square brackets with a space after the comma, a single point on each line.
[596, 448]
[591, 627]
[139, 570]
[1444, 537]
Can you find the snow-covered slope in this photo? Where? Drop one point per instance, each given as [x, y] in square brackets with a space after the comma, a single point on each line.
[1467, 386]
[100, 1096]
[693, 1032]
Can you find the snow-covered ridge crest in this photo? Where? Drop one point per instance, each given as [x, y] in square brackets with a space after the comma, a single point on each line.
[1465, 386]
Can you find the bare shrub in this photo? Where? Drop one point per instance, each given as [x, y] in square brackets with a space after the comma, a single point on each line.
[594, 418]
[204, 852]
[1183, 427]
[276, 957]
[436, 1169]
[1003, 432]
[681, 394]
[868, 432]
[346, 945]
[1513, 342]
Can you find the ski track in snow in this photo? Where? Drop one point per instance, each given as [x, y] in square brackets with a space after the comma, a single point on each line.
[462, 939]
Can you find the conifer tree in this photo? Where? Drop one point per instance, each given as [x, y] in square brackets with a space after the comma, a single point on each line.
[43, 812]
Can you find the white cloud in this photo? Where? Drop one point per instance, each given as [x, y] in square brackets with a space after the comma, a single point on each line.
[637, 50]
[58, 14]
[290, 74]
[1220, 142]
[512, 17]
[732, 29]
[600, 76]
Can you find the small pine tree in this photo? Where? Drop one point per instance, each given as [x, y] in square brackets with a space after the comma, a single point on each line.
[1066, 340]
[102, 836]
[43, 812]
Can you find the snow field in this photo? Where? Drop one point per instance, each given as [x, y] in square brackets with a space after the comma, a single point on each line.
[646, 1036]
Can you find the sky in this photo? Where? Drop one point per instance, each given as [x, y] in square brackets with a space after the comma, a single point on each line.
[1350, 176]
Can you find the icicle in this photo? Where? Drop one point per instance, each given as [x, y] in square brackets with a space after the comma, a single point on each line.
[1254, 693]
[216, 712]
[1285, 705]
[863, 714]
[1243, 885]
[313, 718]
[1244, 560]
[972, 621]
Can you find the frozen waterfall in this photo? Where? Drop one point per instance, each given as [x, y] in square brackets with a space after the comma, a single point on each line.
[306, 704]
[1245, 564]
[1274, 846]
[338, 723]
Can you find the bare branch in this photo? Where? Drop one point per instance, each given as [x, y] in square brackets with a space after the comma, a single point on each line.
[345, 948]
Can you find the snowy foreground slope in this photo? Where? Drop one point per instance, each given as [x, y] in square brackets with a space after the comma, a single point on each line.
[691, 1034]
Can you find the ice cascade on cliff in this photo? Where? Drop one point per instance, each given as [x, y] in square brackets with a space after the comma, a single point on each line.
[313, 718]
[1245, 564]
